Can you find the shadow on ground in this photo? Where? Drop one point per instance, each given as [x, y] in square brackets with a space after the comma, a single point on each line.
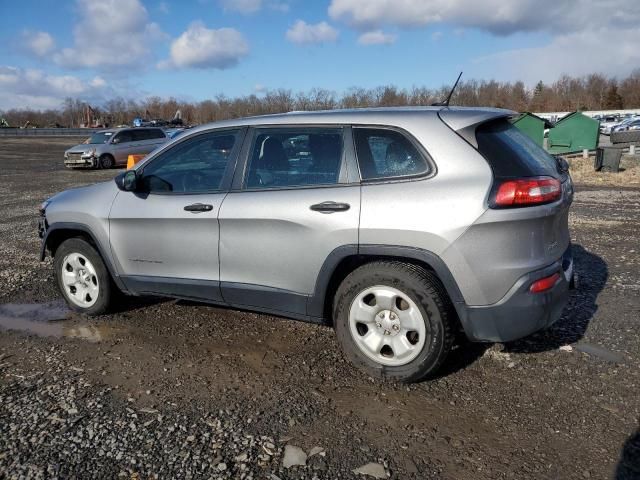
[629, 464]
[592, 274]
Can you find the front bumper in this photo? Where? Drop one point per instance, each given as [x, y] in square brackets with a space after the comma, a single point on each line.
[82, 162]
[520, 312]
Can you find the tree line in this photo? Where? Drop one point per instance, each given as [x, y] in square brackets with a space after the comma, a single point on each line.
[591, 92]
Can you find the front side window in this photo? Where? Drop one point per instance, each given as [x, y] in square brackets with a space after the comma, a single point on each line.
[386, 154]
[123, 137]
[293, 157]
[193, 166]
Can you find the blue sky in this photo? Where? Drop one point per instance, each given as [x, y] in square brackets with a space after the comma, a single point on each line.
[196, 49]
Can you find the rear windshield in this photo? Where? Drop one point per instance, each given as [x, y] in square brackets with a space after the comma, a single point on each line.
[512, 153]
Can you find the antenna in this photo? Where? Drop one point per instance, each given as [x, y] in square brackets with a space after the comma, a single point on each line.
[445, 103]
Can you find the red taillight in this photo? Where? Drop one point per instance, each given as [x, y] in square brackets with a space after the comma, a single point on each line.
[526, 191]
[544, 284]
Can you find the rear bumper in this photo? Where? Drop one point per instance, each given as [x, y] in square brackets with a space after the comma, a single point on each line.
[520, 312]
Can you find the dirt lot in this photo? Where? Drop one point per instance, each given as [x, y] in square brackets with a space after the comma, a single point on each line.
[178, 390]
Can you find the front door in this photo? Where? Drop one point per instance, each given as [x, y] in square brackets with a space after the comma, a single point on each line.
[165, 235]
[295, 206]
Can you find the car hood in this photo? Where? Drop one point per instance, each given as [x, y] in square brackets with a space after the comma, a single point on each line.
[84, 147]
[76, 204]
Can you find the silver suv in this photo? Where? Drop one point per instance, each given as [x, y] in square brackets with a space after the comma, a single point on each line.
[399, 227]
[109, 148]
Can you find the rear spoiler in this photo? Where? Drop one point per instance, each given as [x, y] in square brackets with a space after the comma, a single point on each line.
[464, 121]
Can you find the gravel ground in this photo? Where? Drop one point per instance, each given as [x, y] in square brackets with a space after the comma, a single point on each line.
[166, 389]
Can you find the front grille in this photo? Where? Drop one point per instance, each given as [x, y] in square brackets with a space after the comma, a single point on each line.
[75, 157]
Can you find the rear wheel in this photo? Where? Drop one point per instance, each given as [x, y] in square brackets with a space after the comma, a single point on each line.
[82, 277]
[394, 320]
[106, 161]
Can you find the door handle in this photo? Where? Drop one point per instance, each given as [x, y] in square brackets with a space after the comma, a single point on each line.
[330, 207]
[199, 207]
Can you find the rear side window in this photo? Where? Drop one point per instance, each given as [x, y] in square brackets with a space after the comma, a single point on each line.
[513, 154]
[387, 154]
[295, 157]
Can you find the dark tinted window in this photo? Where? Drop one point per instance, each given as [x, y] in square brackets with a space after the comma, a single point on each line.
[387, 154]
[155, 133]
[124, 137]
[195, 165]
[146, 134]
[511, 153]
[295, 157]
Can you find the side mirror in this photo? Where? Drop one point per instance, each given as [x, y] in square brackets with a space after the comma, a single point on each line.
[115, 140]
[127, 181]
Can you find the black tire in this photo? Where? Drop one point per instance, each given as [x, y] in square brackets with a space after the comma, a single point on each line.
[425, 290]
[107, 290]
[106, 161]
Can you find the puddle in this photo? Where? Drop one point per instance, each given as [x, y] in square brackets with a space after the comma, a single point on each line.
[600, 352]
[48, 320]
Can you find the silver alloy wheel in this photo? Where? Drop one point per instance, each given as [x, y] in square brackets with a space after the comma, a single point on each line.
[387, 326]
[80, 280]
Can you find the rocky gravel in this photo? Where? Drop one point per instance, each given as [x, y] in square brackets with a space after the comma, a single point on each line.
[171, 389]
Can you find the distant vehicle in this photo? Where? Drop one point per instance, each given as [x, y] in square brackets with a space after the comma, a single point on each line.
[110, 148]
[607, 123]
[398, 226]
[632, 123]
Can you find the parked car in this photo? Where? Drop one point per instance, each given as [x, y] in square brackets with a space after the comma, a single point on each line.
[629, 124]
[109, 148]
[607, 123]
[399, 227]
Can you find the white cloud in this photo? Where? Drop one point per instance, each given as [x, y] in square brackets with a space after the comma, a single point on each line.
[575, 53]
[248, 7]
[583, 35]
[376, 37]
[242, 6]
[110, 34]
[496, 16]
[98, 82]
[38, 43]
[20, 88]
[200, 47]
[304, 33]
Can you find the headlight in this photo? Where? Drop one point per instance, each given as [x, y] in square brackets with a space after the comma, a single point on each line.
[89, 153]
[43, 207]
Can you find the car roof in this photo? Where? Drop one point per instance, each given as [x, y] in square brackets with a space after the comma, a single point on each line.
[393, 116]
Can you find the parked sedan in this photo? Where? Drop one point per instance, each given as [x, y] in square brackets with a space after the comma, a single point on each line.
[110, 148]
[629, 124]
[607, 123]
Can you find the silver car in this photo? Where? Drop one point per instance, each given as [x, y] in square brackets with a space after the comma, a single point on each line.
[110, 148]
[399, 227]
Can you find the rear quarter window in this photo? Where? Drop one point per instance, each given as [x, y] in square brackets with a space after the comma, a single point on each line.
[512, 154]
[387, 154]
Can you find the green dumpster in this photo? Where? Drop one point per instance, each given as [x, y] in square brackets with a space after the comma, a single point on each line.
[573, 133]
[532, 126]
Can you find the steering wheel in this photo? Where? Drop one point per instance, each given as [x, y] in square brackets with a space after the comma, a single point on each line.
[192, 179]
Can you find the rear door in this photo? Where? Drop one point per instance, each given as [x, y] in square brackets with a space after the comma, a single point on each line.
[296, 202]
[165, 235]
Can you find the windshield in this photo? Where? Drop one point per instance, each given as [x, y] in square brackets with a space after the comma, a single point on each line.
[100, 137]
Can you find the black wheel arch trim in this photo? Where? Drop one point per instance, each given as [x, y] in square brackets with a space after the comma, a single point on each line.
[316, 303]
[86, 230]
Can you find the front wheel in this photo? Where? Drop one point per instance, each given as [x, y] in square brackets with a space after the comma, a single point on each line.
[394, 320]
[82, 277]
[106, 161]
